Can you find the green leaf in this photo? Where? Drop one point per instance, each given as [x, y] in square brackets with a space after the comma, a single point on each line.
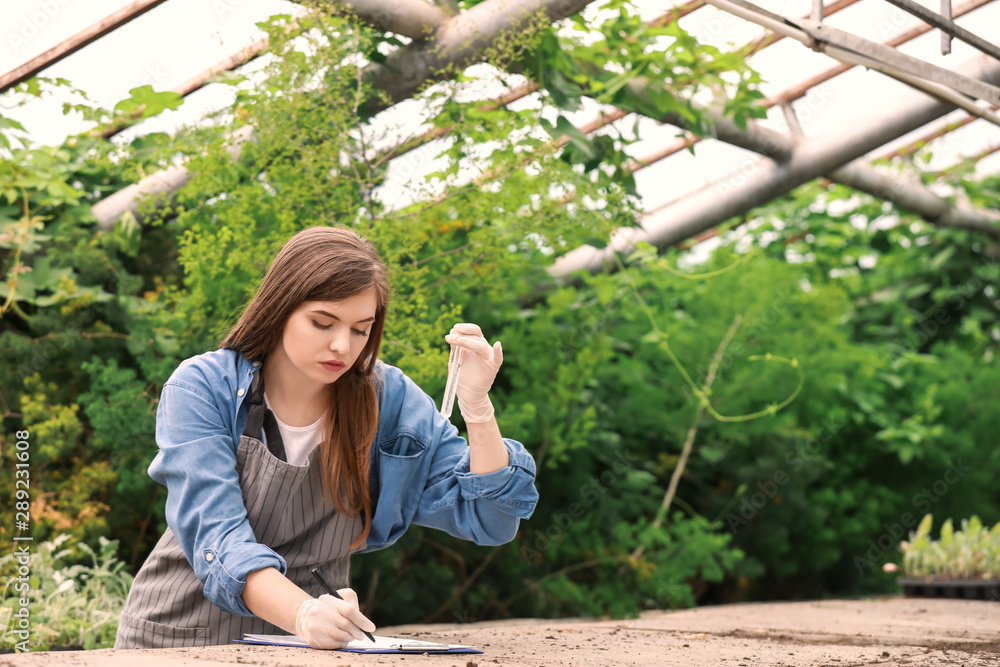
[942, 257]
[606, 292]
[947, 532]
[892, 380]
[150, 102]
[917, 290]
[713, 454]
[6, 123]
[564, 93]
[644, 253]
[652, 337]
[33, 87]
[924, 528]
[578, 139]
[63, 191]
[128, 233]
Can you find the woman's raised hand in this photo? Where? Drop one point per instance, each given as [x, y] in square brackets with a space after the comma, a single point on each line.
[480, 364]
[326, 622]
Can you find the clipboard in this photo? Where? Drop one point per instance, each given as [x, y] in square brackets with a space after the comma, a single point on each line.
[381, 645]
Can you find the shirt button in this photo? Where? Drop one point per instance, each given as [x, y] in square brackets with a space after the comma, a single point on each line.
[256, 363]
[240, 392]
[209, 557]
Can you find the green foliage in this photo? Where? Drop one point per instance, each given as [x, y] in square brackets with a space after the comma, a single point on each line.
[862, 367]
[971, 553]
[903, 398]
[656, 71]
[70, 604]
[70, 294]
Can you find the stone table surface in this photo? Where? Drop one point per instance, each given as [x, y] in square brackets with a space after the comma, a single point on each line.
[828, 633]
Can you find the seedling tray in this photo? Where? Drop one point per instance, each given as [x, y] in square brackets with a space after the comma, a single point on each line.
[968, 589]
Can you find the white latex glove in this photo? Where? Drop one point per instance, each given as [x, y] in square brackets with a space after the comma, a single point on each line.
[326, 622]
[480, 364]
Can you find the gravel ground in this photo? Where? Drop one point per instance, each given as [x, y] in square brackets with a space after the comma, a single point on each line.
[829, 633]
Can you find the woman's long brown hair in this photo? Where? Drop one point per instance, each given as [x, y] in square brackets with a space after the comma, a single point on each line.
[327, 264]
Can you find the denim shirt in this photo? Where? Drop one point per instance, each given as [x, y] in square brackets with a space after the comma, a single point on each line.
[419, 473]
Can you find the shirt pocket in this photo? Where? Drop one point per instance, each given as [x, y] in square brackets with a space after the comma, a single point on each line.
[400, 462]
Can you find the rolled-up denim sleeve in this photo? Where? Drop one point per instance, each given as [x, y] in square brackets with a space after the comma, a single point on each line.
[197, 463]
[485, 508]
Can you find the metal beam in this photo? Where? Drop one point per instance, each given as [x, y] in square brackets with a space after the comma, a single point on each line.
[911, 195]
[415, 19]
[81, 39]
[798, 91]
[885, 54]
[755, 14]
[156, 190]
[767, 179]
[862, 176]
[917, 197]
[772, 38]
[817, 10]
[943, 92]
[948, 26]
[755, 137]
[945, 37]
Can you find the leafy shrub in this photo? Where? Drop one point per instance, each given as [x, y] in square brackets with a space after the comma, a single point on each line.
[71, 605]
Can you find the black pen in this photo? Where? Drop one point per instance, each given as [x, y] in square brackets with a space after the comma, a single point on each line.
[330, 589]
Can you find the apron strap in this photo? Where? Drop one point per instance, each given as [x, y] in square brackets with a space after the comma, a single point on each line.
[274, 443]
[262, 418]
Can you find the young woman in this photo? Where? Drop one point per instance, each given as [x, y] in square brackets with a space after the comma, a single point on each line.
[339, 455]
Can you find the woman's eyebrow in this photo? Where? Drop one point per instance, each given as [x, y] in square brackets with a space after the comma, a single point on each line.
[323, 312]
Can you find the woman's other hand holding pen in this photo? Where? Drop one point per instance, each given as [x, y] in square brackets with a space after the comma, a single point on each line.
[326, 622]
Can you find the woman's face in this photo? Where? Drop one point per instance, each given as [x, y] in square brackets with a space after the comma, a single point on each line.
[329, 331]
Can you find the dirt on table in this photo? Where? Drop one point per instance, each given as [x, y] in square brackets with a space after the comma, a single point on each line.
[828, 633]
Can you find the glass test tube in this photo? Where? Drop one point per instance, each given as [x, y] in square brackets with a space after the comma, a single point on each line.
[451, 386]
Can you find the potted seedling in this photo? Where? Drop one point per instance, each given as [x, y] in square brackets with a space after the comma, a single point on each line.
[961, 564]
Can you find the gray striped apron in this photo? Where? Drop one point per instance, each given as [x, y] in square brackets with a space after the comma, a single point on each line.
[288, 511]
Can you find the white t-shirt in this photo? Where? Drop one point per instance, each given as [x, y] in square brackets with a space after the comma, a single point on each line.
[298, 440]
